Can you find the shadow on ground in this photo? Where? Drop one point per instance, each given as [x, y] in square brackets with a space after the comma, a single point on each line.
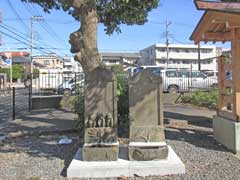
[192, 129]
[201, 121]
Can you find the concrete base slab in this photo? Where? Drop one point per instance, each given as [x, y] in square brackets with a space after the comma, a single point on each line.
[227, 133]
[123, 167]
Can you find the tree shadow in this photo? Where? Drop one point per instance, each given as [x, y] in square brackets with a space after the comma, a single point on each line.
[46, 146]
[198, 138]
[201, 121]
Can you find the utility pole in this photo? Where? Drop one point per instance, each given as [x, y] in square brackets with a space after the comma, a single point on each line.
[168, 23]
[33, 18]
[199, 57]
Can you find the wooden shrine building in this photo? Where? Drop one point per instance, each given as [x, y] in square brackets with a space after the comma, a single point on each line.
[221, 23]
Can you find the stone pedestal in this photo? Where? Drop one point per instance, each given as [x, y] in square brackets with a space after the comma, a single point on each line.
[147, 139]
[147, 151]
[123, 167]
[100, 131]
[100, 152]
[227, 133]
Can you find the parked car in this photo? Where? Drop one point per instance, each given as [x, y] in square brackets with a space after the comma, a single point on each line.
[184, 80]
[73, 85]
[154, 69]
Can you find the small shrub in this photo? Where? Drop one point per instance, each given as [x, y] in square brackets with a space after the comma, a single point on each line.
[203, 99]
[123, 102]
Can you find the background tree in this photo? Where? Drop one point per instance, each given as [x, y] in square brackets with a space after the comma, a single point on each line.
[112, 13]
[18, 71]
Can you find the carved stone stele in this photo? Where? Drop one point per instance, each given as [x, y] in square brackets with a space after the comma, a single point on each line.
[100, 131]
[146, 117]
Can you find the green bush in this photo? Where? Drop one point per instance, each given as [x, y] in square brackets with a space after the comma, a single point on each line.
[35, 73]
[123, 101]
[18, 71]
[203, 99]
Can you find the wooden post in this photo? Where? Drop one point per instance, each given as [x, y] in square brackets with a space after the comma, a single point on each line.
[220, 82]
[235, 73]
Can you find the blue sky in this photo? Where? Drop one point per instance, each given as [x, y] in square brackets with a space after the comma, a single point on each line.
[54, 31]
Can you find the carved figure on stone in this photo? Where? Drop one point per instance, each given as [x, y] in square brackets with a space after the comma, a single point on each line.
[109, 120]
[91, 121]
[100, 122]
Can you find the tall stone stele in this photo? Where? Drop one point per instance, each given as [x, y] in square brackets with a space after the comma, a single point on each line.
[147, 139]
[100, 131]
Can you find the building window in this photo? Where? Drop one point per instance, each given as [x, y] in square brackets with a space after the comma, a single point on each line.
[185, 61]
[46, 62]
[171, 74]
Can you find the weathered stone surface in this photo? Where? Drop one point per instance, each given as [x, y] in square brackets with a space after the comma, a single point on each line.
[147, 153]
[146, 117]
[100, 134]
[147, 134]
[100, 153]
[100, 95]
[145, 99]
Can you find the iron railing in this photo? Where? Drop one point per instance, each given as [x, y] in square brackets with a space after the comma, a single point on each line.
[57, 83]
[14, 102]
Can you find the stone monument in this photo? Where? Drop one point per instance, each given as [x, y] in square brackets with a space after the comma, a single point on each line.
[147, 139]
[100, 131]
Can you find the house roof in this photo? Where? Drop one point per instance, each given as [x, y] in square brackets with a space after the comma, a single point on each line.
[217, 22]
[13, 53]
[217, 5]
[124, 55]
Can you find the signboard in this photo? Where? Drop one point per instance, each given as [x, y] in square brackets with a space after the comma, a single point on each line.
[6, 63]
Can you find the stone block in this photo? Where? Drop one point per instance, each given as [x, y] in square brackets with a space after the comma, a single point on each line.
[147, 151]
[227, 133]
[147, 134]
[103, 152]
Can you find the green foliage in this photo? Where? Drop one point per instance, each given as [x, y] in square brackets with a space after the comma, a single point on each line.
[203, 99]
[111, 13]
[35, 73]
[18, 71]
[123, 101]
[79, 110]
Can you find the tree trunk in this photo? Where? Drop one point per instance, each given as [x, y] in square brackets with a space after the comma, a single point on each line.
[84, 41]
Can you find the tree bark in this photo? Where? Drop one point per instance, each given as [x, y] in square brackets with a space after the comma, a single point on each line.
[84, 41]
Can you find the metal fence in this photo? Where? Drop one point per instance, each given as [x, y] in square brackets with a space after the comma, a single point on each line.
[73, 83]
[186, 82]
[14, 102]
[57, 83]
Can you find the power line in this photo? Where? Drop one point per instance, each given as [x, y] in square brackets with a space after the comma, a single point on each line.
[8, 29]
[48, 28]
[16, 13]
[32, 10]
[19, 40]
[23, 36]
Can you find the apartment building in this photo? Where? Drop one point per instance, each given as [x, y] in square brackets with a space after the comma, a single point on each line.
[51, 61]
[120, 58]
[181, 56]
[71, 66]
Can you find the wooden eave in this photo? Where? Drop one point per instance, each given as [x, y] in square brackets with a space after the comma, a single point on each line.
[210, 5]
[216, 26]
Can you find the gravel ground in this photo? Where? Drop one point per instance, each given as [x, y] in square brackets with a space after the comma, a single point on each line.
[40, 158]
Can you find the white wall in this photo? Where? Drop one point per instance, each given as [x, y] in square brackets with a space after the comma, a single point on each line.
[180, 56]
